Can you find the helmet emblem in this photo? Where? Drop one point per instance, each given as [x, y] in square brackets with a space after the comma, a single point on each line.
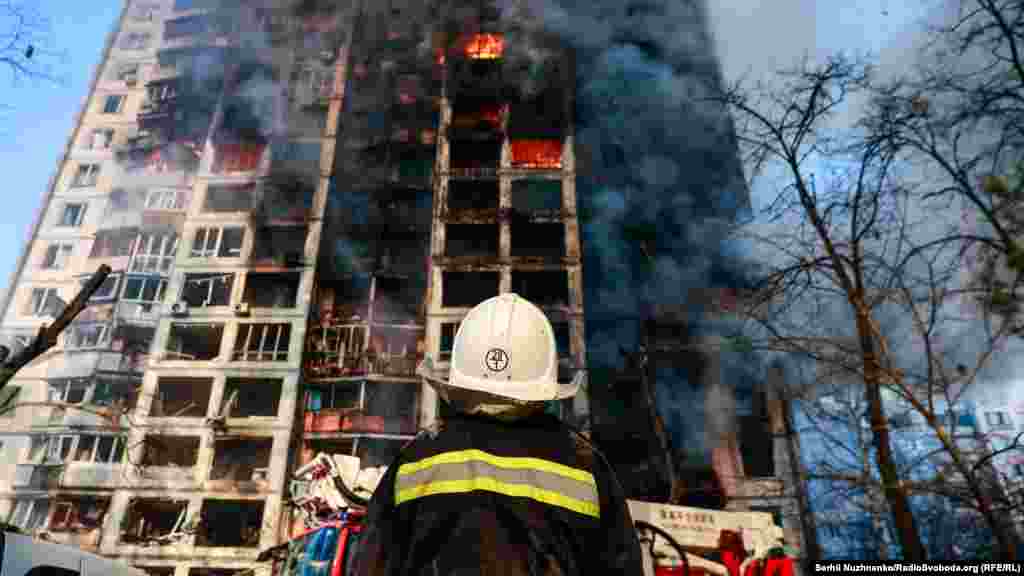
[496, 360]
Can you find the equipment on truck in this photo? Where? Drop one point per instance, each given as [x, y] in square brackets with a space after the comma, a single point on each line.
[47, 336]
[332, 492]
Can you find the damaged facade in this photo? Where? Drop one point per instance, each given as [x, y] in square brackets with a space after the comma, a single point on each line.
[300, 201]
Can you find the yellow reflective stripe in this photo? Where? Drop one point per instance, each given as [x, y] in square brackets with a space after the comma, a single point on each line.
[493, 485]
[464, 456]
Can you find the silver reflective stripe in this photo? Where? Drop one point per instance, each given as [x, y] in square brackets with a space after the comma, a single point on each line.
[459, 472]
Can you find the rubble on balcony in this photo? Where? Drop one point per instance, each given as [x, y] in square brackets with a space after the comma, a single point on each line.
[181, 397]
[230, 523]
[252, 397]
[313, 487]
[241, 464]
[155, 522]
[177, 455]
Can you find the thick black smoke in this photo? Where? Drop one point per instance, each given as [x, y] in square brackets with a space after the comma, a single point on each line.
[659, 181]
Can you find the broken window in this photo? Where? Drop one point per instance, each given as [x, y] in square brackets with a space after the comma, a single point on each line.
[472, 195]
[208, 289]
[471, 240]
[448, 331]
[152, 520]
[57, 256]
[543, 288]
[476, 115]
[562, 345]
[394, 301]
[467, 289]
[536, 153]
[154, 252]
[532, 240]
[78, 513]
[475, 155]
[337, 396]
[756, 440]
[86, 175]
[230, 198]
[252, 397]
[262, 343]
[194, 341]
[113, 243]
[278, 290]
[230, 523]
[283, 244]
[241, 459]
[540, 117]
[114, 103]
[534, 195]
[240, 157]
[99, 139]
[170, 451]
[181, 397]
[218, 242]
[286, 199]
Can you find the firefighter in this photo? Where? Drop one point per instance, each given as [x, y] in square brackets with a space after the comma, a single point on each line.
[501, 487]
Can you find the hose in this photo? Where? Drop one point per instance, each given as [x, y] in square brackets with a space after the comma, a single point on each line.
[672, 542]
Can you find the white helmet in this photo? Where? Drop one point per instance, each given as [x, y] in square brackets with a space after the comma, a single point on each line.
[505, 346]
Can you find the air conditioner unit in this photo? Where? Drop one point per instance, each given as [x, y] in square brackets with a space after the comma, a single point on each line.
[241, 309]
[179, 309]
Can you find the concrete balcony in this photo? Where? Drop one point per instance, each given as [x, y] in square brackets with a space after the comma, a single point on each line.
[53, 476]
[352, 421]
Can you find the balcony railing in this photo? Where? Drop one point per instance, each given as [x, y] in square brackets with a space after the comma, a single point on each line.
[148, 264]
[321, 364]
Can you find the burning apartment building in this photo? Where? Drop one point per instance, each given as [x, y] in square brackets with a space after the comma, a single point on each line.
[301, 199]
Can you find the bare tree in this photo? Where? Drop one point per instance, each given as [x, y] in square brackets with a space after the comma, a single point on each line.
[27, 47]
[861, 278]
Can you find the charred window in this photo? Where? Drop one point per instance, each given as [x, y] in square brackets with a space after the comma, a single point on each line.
[113, 243]
[395, 301]
[170, 451]
[544, 288]
[208, 289]
[230, 198]
[286, 198]
[475, 154]
[472, 195]
[230, 523]
[182, 397]
[82, 513]
[237, 157]
[533, 240]
[196, 342]
[756, 437]
[534, 195]
[394, 405]
[542, 117]
[471, 240]
[476, 119]
[467, 289]
[252, 397]
[561, 330]
[153, 521]
[241, 459]
[278, 290]
[448, 330]
[285, 245]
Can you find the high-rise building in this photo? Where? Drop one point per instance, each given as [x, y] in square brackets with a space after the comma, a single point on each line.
[300, 200]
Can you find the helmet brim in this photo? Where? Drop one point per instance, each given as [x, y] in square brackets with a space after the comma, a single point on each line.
[439, 379]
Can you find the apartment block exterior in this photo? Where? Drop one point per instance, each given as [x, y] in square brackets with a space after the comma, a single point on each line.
[299, 201]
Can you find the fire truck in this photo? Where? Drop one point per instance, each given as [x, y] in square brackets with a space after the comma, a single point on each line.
[332, 492]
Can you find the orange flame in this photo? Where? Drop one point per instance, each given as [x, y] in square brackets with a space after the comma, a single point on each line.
[485, 46]
[536, 153]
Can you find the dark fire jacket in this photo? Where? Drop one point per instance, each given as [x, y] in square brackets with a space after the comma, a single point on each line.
[482, 497]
